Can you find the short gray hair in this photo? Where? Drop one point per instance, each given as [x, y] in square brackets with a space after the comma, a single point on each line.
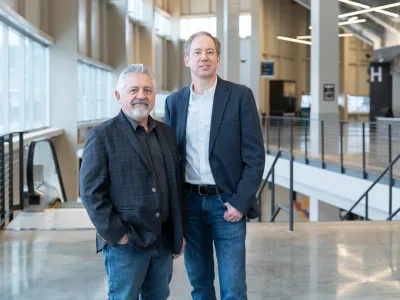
[188, 43]
[135, 68]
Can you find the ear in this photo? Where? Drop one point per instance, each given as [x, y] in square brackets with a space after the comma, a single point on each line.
[218, 60]
[118, 96]
[186, 60]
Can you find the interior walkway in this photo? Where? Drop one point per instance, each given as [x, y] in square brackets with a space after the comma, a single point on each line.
[343, 260]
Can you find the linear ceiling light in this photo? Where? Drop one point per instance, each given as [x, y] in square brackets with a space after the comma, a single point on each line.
[385, 12]
[352, 22]
[348, 22]
[293, 40]
[308, 37]
[368, 7]
[353, 19]
[363, 11]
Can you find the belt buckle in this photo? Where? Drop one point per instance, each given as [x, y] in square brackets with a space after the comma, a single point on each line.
[199, 192]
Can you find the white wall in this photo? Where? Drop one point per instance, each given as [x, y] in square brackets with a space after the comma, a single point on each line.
[396, 94]
[391, 39]
[245, 67]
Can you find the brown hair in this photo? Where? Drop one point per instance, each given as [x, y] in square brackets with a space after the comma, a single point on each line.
[188, 43]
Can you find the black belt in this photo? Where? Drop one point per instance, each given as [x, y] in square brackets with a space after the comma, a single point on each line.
[204, 189]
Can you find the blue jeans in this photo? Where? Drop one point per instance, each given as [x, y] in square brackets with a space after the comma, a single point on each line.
[132, 272]
[205, 223]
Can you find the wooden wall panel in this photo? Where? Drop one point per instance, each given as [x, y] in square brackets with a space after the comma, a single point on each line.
[185, 7]
[213, 6]
[199, 7]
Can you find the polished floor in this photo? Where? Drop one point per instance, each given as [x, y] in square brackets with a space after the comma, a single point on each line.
[318, 261]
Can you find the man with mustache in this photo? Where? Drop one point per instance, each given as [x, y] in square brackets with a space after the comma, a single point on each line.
[217, 126]
[129, 181]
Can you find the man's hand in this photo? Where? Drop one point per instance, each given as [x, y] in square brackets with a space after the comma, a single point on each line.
[123, 240]
[175, 256]
[232, 214]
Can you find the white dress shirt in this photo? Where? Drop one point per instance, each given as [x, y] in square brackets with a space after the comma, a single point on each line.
[198, 125]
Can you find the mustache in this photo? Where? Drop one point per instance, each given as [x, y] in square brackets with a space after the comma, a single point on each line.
[140, 101]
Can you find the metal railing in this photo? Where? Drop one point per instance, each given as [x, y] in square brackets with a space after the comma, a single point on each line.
[7, 203]
[271, 172]
[365, 194]
[360, 149]
[33, 197]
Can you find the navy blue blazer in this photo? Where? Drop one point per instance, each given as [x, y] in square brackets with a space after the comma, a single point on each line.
[236, 151]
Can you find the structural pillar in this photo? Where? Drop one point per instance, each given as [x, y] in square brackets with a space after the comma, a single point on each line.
[228, 12]
[324, 71]
[314, 209]
[63, 26]
[256, 10]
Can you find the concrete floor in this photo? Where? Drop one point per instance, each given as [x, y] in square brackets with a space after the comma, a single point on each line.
[318, 261]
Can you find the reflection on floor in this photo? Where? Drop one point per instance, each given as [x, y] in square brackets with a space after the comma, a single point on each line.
[339, 260]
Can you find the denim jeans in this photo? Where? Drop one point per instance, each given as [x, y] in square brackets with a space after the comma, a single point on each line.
[132, 272]
[205, 224]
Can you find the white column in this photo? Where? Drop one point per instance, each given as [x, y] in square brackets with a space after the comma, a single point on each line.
[324, 69]
[220, 35]
[63, 74]
[228, 11]
[396, 95]
[314, 209]
[95, 36]
[256, 9]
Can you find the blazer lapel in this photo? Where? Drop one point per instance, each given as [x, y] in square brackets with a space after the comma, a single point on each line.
[220, 100]
[128, 130]
[183, 105]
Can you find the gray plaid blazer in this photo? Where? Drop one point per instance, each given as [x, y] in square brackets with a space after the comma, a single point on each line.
[118, 189]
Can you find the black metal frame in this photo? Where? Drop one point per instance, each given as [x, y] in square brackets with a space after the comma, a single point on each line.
[321, 163]
[33, 199]
[271, 172]
[8, 216]
[365, 194]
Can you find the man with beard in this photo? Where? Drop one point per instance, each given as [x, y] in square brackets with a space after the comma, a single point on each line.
[129, 182]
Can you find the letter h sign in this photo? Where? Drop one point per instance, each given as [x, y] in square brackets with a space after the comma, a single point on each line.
[374, 74]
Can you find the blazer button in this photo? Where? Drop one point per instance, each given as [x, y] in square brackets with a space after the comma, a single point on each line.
[153, 190]
[157, 215]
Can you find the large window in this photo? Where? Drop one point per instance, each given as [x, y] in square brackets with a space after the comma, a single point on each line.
[94, 93]
[24, 104]
[192, 25]
[162, 25]
[135, 9]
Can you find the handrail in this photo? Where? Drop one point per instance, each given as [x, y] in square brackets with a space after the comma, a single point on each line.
[365, 194]
[29, 168]
[334, 142]
[271, 171]
[8, 138]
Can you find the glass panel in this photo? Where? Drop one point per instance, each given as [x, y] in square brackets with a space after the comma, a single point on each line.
[3, 73]
[39, 106]
[16, 77]
[93, 92]
[192, 25]
[99, 94]
[244, 26]
[86, 85]
[29, 84]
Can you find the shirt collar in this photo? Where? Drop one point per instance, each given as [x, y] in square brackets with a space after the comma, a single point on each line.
[211, 89]
[151, 123]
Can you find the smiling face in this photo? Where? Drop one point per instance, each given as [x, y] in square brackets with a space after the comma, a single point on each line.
[203, 59]
[136, 95]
